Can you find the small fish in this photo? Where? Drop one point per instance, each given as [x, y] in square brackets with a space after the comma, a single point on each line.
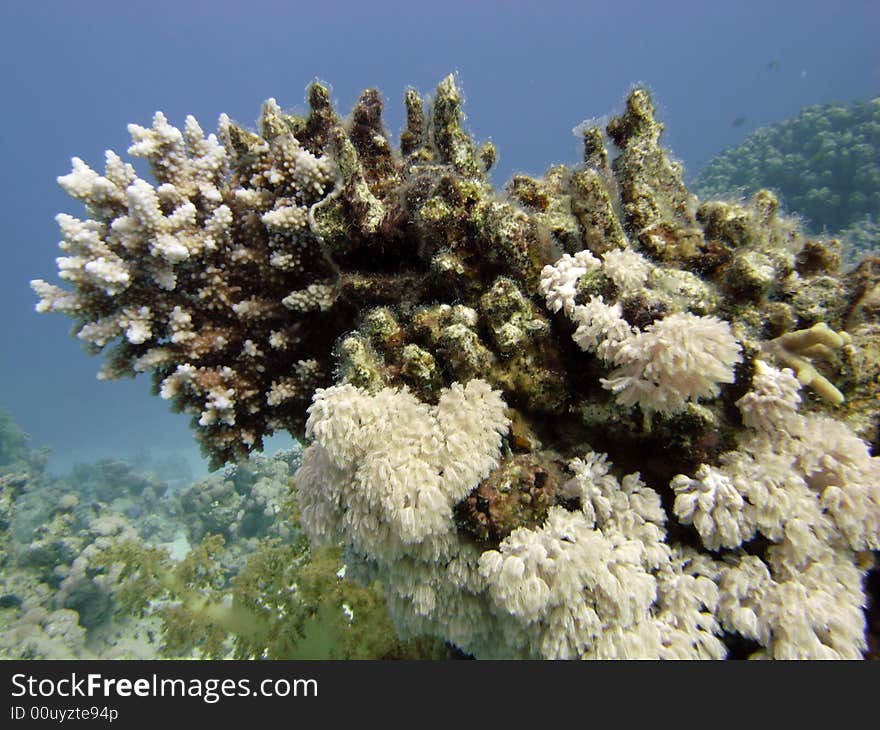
[773, 65]
[739, 121]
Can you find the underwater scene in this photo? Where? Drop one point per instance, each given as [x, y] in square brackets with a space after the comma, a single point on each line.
[465, 331]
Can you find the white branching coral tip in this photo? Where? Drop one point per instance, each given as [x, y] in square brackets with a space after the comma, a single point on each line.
[312, 173]
[83, 183]
[219, 407]
[319, 296]
[676, 359]
[54, 298]
[137, 324]
[286, 218]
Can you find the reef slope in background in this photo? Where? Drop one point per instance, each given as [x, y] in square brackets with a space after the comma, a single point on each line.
[591, 417]
[823, 164]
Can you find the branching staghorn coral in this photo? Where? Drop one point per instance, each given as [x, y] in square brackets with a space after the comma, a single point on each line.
[229, 247]
[542, 420]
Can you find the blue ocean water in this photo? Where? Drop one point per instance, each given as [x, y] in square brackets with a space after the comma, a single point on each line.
[75, 74]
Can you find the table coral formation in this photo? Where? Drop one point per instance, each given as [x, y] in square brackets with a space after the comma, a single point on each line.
[554, 423]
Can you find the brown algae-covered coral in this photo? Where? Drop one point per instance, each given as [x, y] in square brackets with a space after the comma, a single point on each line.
[552, 422]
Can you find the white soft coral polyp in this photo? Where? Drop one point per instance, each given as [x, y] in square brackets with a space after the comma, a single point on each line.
[399, 465]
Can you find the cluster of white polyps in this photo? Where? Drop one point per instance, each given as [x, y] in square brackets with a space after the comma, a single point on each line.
[676, 359]
[598, 577]
[601, 582]
[382, 475]
[809, 486]
[384, 471]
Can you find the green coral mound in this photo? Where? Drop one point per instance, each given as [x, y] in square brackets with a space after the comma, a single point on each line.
[824, 164]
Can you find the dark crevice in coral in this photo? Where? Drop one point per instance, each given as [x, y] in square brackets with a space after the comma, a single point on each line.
[739, 647]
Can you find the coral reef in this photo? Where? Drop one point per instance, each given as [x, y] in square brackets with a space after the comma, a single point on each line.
[286, 602]
[593, 417]
[240, 502]
[82, 577]
[823, 164]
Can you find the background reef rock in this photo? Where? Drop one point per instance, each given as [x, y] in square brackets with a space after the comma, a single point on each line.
[591, 416]
[81, 577]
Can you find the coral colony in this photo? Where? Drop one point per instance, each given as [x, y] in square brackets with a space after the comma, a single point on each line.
[590, 416]
[825, 166]
[825, 163]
